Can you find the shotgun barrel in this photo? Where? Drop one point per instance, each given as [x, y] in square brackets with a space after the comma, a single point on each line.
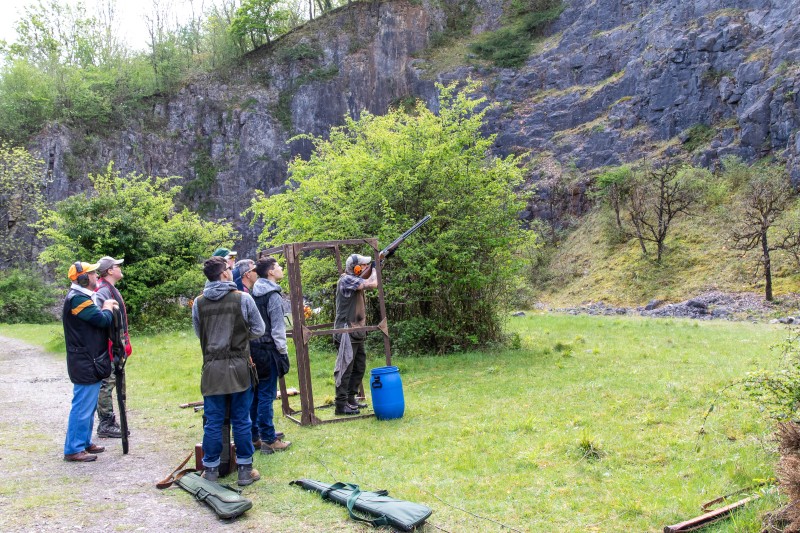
[389, 250]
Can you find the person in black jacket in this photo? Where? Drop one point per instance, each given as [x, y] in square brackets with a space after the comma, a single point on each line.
[88, 363]
[268, 351]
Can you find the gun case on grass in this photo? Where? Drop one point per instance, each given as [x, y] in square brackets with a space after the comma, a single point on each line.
[225, 501]
[398, 514]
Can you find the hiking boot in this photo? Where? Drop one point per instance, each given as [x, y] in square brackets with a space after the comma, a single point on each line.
[256, 443]
[346, 410]
[211, 473]
[94, 448]
[277, 446]
[355, 404]
[109, 429]
[247, 475]
[80, 457]
[279, 435]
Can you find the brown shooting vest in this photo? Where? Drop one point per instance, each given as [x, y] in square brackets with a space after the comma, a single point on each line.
[225, 342]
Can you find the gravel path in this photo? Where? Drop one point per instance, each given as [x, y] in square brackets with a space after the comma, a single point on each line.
[39, 491]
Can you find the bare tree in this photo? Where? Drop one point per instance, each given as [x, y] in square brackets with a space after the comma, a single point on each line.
[760, 202]
[657, 195]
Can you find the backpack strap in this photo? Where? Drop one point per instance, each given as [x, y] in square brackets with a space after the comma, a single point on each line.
[176, 474]
[382, 520]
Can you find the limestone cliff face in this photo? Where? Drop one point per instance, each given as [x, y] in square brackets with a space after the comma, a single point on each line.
[615, 80]
[619, 79]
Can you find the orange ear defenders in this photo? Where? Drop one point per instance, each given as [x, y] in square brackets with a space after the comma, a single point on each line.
[82, 276]
[357, 269]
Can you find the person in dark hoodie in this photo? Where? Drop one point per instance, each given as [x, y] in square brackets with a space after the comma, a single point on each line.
[224, 320]
[268, 351]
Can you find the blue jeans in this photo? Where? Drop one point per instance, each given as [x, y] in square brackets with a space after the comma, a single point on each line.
[214, 407]
[81, 417]
[261, 412]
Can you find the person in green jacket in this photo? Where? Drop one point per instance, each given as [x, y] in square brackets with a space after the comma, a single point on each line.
[225, 320]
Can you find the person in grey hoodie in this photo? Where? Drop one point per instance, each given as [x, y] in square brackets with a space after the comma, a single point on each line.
[270, 353]
[225, 320]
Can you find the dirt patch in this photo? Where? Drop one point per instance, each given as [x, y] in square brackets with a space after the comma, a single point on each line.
[39, 491]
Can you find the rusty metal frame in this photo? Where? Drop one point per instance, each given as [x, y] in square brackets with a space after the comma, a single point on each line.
[301, 333]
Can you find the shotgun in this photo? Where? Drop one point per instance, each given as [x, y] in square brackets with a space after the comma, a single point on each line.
[118, 353]
[389, 250]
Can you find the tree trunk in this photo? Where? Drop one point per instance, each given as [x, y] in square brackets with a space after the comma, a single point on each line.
[767, 267]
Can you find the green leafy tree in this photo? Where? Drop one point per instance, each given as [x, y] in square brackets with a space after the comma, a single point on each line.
[27, 100]
[376, 176]
[613, 186]
[22, 180]
[67, 65]
[134, 217]
[259, 21]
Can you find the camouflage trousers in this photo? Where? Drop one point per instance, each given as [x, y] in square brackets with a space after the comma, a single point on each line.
[105, 401]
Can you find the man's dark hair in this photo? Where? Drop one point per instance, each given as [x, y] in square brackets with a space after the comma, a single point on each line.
[264, 265]
[213, 267]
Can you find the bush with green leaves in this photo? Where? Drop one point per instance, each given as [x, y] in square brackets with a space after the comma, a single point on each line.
[25, 297]
[134, 217]
[447, 285]
[510, 45]
[777, 392]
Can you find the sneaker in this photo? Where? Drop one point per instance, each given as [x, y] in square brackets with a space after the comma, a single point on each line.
[211, 473]
[247, 475]
[94, 448]
[80, 457]
[277, 446]
[347, 410]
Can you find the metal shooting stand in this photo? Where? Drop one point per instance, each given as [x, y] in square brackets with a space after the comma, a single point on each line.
[302, 333]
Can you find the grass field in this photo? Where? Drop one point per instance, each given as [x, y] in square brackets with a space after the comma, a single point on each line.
[591, 426]
[698, 258]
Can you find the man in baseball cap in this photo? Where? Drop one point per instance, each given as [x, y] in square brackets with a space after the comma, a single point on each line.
[110, 271]
[228, 255]
[75, 273]
[88, 363]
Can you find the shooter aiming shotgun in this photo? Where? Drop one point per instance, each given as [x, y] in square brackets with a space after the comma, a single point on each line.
[119, 357]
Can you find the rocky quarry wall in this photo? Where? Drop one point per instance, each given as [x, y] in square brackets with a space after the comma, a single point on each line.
[614, 80]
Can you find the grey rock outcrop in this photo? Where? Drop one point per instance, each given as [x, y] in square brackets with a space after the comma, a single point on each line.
[614, 81]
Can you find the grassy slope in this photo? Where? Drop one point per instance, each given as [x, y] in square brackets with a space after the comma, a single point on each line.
[499, 434]
[698, 258]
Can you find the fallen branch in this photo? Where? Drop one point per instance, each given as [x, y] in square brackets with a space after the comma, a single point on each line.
[709, 517]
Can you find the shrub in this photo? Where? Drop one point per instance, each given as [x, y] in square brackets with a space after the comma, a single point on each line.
[25, 297]
[447, 286]
[510, 45]
[135, 217]
[778, 392]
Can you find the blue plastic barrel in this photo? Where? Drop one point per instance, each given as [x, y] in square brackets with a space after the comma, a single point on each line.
[387, 392]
